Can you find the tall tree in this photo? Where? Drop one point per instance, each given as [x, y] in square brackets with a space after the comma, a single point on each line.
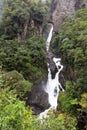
[18, 16]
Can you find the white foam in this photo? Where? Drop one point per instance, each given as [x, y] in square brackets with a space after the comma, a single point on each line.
[49, 38]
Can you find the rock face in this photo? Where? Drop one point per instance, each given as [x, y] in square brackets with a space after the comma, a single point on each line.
[63, 8]
[80, 4]
[52, 65]
[38, 99]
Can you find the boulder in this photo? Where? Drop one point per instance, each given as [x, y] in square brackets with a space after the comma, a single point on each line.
[52, 65]
[38, 98]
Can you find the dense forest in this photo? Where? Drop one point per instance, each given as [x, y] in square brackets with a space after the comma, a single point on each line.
[23, 64]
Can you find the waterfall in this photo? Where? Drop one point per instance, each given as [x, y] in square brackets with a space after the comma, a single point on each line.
[49, 39]
[53, 85]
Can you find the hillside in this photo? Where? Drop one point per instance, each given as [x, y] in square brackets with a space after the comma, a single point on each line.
[26, 64]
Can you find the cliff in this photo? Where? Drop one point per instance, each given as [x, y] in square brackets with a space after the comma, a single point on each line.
[63, 8]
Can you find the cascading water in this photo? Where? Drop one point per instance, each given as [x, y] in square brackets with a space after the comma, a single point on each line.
[49, 39]
[53, 85]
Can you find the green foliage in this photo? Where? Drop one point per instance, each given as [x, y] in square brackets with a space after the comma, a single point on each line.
[27, 58]
[15, 81]
[83, 101]
[39, 11]
[20, 48]
[69, 99]
[61, 122]
[14, 17]
[1, 80]
[13, 113]
[71, 42]
[18, 15]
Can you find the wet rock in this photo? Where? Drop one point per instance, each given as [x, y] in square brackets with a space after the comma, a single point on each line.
[38, 99]
[62, 80]
[54, 69]
[52, 65]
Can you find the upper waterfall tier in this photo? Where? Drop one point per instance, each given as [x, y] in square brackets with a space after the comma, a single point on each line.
[49, 38]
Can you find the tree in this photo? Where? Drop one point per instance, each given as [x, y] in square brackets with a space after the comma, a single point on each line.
[13, 113]
[27, 58]
[18, 16]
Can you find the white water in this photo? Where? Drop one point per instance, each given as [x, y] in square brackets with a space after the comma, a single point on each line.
[49, 39]
[53, 85]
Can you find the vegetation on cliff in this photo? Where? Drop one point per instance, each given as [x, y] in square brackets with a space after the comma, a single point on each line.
[21, 46]
[23, 63]
[71, 43]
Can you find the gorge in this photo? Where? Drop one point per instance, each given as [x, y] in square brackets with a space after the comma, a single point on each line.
[43, 65]
[39, 100]
[51, 88]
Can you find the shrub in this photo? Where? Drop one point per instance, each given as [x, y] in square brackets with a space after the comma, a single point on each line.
[15, 81]
[13, 113]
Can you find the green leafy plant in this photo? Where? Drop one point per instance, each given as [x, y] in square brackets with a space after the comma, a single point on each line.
[71, 43]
